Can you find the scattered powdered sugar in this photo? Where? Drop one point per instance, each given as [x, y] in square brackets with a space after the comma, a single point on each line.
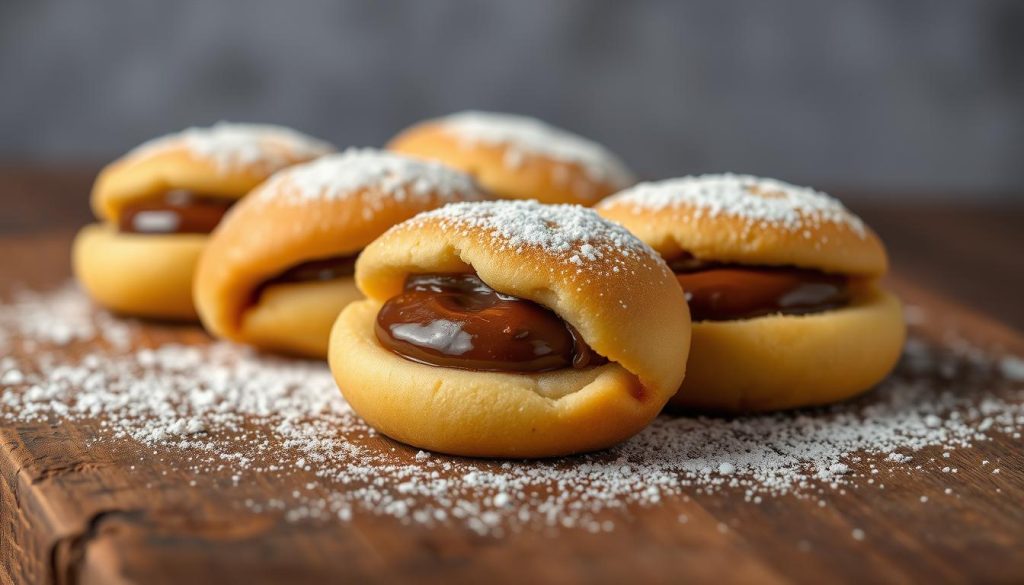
[216, 410]
[232, 146]
[575, 236]
[523, 137]
[758, 201]
[58, 318]
[373, 175]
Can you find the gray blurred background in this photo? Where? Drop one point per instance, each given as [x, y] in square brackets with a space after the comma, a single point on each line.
[923, 98]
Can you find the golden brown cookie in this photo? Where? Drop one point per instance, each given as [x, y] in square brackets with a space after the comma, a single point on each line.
[517, 157]
[510, 329]
[782, 286]
[158, 203]
[279, 268]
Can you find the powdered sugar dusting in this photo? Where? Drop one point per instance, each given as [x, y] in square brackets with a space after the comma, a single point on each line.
[213, 410]
[523, 137]
[573, 235]
[59, 318]
[758, 201]
[232, 146]
[372, 175]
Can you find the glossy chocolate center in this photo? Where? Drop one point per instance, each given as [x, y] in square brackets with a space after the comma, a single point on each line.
[457, 321]
[175, 212]
[723, 292]
[318, 270]
[312, 271]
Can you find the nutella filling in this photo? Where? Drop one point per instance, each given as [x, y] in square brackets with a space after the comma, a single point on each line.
[724, 292]
[312, 271]
[457, 321]
[176, 212]
[318, 270]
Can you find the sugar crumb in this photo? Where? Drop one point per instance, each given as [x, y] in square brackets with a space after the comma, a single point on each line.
[756, 201]
[524, 137]
[215, 409]
[232, 146]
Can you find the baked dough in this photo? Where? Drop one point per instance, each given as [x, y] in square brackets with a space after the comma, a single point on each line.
[330, 208]
[612, 288]
[777, 361]
[789, 361]
[138, 274]
[150, 275]
[516, 157]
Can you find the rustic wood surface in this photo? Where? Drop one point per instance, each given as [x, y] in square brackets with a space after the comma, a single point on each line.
[75, 512]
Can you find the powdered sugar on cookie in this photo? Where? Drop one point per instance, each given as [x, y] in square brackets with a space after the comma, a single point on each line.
[373, 175]
[758, 201]
[524, 137]
[575, 235]
[233, 147]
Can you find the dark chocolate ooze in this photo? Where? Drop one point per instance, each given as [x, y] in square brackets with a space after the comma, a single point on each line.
[457, 321]
[312, 271]
[175, 212]
[318, 270]
[724, 292]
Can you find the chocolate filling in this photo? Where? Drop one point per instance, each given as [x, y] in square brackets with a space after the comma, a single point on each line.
[312, 271]
[175, 212]
[457, 321]
[724, 292]
[318, 270]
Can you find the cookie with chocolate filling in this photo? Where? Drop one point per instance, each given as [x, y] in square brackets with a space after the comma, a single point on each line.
[278, 270]
[783, 288]
[516, 157]
[159, 203]
[511, 329]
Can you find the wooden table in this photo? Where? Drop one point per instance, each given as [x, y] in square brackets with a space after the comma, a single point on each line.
[75, 512]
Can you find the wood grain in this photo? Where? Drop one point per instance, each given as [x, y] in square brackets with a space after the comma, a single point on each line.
[75, 511]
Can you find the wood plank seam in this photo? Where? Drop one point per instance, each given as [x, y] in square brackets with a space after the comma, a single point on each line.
[68, 552]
